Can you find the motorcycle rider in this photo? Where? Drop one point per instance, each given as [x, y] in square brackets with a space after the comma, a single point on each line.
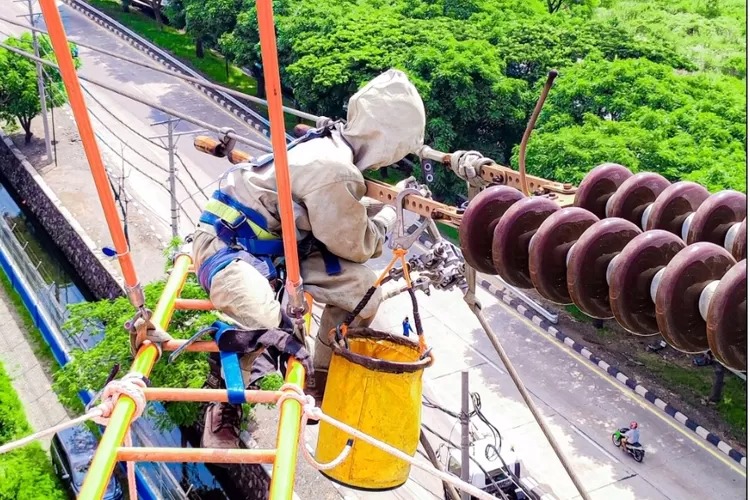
[631, 436]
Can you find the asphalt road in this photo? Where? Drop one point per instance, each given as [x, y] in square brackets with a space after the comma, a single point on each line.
[581, 404]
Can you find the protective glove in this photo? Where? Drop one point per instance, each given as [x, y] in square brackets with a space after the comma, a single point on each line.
[254, 342]
[386, 217]
[468, 166]
[372, 205]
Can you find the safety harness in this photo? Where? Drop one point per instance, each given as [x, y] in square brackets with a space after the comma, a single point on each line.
[246, 233]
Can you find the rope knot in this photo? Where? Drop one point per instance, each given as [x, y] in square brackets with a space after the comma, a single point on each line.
[131, 385]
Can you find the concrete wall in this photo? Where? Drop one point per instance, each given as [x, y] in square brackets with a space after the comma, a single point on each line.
[95, 271]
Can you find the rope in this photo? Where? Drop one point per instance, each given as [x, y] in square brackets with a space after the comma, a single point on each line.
[306, 401]
[311, 412]
[131, 385]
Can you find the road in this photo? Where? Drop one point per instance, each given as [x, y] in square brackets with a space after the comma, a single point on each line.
[125, 148]
[580, 403]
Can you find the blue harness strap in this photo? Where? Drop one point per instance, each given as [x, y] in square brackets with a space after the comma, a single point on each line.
[230, 364]
[237, 225]
[221, 259]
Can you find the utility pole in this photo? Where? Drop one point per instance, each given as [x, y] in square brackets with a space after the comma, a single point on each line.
[39, 77]
[172, 139]
[465, 431]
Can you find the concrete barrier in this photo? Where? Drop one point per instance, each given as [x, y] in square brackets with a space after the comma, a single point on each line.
[97, 273]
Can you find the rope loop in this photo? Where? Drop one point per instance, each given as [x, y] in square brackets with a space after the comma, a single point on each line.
[131, 385]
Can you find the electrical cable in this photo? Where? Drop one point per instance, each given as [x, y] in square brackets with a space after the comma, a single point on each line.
[177, 114]
[202, 82]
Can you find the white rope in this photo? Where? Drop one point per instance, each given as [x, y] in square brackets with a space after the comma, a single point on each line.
[310, 411]
[306, 401]
[131, 385]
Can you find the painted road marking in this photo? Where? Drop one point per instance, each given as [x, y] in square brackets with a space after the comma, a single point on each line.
[690, 435]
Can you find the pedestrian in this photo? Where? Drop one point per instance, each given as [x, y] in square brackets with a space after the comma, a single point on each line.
[406, 326]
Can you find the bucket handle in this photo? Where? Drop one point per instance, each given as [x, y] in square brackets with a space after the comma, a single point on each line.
[339, 333]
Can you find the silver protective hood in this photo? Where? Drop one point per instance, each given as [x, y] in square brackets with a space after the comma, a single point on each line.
[385, 121]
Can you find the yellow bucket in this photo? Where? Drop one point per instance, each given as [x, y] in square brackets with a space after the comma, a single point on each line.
[375, 386]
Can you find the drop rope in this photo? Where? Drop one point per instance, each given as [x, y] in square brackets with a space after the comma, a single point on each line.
[312, 412]
[131, 385]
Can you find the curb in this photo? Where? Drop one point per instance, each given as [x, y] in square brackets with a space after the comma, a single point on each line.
[615, 372]
[259, 123]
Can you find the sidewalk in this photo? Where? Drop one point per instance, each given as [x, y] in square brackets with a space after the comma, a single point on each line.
[28, 374]
[73, 184]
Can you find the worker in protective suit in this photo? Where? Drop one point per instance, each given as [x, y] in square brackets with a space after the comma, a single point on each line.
[237, 244]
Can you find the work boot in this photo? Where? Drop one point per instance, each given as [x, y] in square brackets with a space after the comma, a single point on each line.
[222, 426]
[316, 388]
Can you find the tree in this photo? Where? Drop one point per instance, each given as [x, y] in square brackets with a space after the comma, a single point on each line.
[207, 20]
[19, 94]
[645, 116]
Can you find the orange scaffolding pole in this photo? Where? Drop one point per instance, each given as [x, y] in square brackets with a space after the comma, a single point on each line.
[78, 106]
[282, 481]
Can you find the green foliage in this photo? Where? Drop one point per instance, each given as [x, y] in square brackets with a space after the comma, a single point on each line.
[19, 93]
[88, 369]
[710, 33]
[479, 66]
[693, 383]
[206, 20]
[646, 116]
[640, 82]
[25, 473]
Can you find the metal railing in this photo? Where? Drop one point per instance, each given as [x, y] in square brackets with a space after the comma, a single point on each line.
[23, 259]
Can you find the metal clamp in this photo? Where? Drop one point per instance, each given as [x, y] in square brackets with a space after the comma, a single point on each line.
[227, 143]
[402, 239]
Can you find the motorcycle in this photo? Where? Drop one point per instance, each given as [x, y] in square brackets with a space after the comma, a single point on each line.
[635, 450]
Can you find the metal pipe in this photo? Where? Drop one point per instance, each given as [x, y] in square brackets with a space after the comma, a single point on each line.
[103, 463]
[208, 395]
[193, 305]
[287, 438]
[197, 346]
[465, 459]
[203, 455]
[78, 106]
[269, 56]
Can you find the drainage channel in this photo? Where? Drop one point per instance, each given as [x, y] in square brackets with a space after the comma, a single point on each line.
[47, 284]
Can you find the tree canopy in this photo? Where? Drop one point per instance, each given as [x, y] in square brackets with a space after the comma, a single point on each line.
[654, 85]
[19, 92]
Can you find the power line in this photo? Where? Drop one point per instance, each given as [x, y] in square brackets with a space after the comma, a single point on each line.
[205, 83]
[200, 189]
[148, 102]
[133, 166]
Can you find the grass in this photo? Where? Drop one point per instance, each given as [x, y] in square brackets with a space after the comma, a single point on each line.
[25, 472]
[696, 383]
[181, 45]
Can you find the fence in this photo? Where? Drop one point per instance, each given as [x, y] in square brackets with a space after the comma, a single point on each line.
[23, 260]
[24, 270]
